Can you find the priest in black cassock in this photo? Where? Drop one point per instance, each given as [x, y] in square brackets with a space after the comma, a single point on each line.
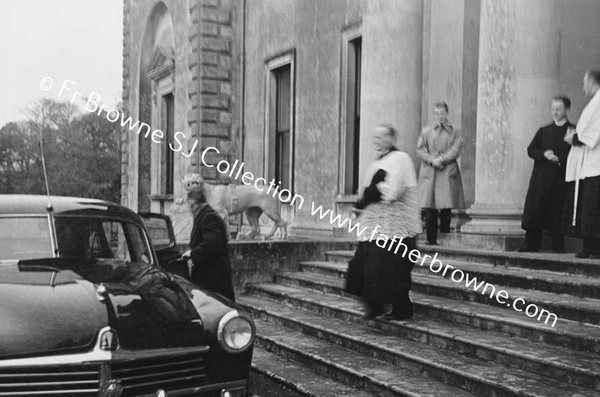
[546, 194]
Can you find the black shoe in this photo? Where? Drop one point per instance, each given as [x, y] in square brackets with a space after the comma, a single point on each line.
[373, 312]
[583, 255]
[398, 316]
[371, 315]
[431, 243]
[559, 251]
[525, 249]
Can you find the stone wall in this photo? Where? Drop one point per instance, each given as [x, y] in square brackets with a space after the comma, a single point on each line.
[125, 175]
[450, 61]
[314, 31]
[212, 93]
[392, 74]
[259, 262]
[140, 23]
[579, 50]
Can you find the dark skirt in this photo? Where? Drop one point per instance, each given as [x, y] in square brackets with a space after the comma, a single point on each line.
[588, 209]
[379, 275]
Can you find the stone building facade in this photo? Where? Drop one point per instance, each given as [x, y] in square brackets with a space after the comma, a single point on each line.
[181, 65]
[293, 88]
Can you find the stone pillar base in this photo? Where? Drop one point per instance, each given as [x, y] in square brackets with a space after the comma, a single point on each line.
[494, 220]
[465, 241]
[459, 219]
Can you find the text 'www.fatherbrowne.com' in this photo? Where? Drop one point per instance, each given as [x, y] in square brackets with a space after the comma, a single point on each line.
[436, 266]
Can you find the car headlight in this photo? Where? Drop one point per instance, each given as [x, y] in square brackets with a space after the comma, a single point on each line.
[236, 332]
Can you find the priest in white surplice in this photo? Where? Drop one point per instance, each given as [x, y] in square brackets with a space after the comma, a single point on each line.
[582, 207]
[380, 271]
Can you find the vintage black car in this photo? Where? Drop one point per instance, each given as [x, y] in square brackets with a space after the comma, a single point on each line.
[87, 310]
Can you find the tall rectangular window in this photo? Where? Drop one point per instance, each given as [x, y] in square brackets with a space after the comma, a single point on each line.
[279, 119]
[352, 122]
[283, 108]
[168, 118]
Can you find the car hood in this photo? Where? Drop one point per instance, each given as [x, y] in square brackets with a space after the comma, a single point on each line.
[57, 306]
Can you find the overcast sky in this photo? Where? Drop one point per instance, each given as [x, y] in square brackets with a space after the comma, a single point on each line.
[79, 40]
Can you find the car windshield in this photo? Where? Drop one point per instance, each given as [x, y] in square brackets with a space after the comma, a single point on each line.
[101, 238]
[25, 238]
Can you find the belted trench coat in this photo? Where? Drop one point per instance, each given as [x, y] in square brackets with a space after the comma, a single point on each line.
[440, 188]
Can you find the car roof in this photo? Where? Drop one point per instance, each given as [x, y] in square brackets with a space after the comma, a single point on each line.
[24, 204]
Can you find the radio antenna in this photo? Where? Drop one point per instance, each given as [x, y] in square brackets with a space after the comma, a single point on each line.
[49, 206]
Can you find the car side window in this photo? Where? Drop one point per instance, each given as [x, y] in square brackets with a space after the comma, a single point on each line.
[100, 238]
[82, 238]
[159, 234]
[139, 245]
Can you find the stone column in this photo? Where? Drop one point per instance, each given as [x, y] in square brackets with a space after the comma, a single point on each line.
[450, 61]
[392, 64]
[519, 71]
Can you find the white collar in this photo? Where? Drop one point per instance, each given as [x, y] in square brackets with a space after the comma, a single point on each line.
[561, 123]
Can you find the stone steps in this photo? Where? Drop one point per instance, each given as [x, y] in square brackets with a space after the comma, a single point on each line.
[498, 243]
[300, 378]
[564, 263]
[460, 342]
[564, 306]
[566, 333]
[539, 280]
[477, 376]
[343, 365]
[580, 368]
[560, 283]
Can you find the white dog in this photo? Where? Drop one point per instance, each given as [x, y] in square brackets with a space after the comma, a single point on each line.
[234, 199]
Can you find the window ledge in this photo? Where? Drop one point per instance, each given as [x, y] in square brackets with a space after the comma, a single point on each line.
[346, 198]
[162, 197]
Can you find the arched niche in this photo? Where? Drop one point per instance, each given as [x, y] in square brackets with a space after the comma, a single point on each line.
[156, 108]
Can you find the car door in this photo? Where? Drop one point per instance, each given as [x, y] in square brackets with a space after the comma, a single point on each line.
[162, 237]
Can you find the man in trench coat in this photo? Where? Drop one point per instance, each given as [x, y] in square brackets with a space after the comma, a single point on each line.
[440, 182]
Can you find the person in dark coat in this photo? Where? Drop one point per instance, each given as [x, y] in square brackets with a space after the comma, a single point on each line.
[208, 247]
[545, 198]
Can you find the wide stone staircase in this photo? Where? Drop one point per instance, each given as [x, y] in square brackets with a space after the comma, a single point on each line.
[460, 342]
